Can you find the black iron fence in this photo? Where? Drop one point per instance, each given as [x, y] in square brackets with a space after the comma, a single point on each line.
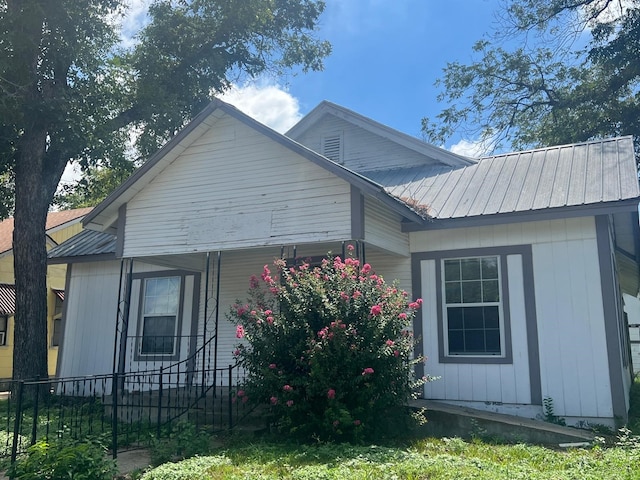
[123, 410]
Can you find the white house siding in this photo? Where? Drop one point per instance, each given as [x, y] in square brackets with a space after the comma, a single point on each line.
[569, 311]
[382, 228]
[236, 188]
[362, 150]
[90, 319]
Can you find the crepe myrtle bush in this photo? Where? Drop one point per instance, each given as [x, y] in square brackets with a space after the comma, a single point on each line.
[328, 348]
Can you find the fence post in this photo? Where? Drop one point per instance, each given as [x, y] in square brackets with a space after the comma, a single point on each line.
[160, 387]
[229, 402]
[114, 414]
[34, 428]
[16, 425]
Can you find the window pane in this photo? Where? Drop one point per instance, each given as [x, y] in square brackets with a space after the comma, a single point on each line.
[452, 270]
[452, 292]
[493, 341]
[473, 318]
[472, 292]
[490, 267]
[455, 317]
[456, 342]
[161, 296]
[490, 291]
[470, 268]
[158, 335]
[491, 317]
[474, 341]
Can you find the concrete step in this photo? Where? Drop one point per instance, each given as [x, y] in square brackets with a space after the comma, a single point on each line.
[445, 420]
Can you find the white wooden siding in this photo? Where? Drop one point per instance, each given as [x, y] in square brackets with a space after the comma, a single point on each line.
[90, 321]
[362, 150]
[236, 188]
[570, 318]
[382, 228]
[499, 383]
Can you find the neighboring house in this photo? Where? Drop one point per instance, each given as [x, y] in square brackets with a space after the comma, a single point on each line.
[60, 227]
[521, 258]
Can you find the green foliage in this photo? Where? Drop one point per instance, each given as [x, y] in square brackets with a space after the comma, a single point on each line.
[446, 459]
[184, 441]
[328, 349]
[549, 412]
[557, 91]
[64, 461]
[634, 406]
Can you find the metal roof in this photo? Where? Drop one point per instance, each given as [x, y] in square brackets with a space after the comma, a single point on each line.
[7, 299]
[575, 175]
[85, 243]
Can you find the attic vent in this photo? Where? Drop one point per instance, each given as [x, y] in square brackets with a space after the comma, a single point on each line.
[332, 147]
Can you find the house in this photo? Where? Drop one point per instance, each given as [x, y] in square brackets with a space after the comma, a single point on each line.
[60, 226]
[522, 259]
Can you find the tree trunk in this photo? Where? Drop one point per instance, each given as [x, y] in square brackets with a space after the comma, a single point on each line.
[30, 259]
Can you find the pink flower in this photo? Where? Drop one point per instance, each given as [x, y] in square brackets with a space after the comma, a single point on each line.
[396, 353]
[366, 268]
[344, 296]
[265, 272]
[245, 399]
[389, 343]
[376, 310]
[336, 423]
[240, 393]
[357, 294]
[270, 320]
[239, 331]
[367, 371]
[236, 352]
[272, 366]
[274, 400]
[268, 312]
[287, 388]
[419, 301]
[402, 316]
[289, 403]
[253, 282]
[331, 394]
[414, 305]
[351, 248]
[357, 422]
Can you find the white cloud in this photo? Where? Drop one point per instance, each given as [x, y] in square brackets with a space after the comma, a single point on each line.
[472, 148]
[269, 104]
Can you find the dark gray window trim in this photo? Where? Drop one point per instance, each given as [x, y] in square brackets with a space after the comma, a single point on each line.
[611, 322]
[530, 309]
[194, 314]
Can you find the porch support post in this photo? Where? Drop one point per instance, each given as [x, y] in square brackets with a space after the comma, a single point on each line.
[217, 317]
[206, 317]
[124, 333]
[115, 337]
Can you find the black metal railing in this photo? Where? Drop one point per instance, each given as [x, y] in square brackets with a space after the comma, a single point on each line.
[122, 409]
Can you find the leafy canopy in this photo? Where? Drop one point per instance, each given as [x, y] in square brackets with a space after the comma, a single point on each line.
[574, 76]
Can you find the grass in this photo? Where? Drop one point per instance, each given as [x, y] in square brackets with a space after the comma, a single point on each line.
[445, 459]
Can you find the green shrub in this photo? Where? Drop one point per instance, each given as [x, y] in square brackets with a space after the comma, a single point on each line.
[183, 441]
[195, 468]
[328, 349]
[64, 461]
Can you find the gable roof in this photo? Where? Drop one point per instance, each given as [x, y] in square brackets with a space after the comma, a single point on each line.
[55, 220]
[590, 175]
[104, 216]
[328, 108]
[88, 244]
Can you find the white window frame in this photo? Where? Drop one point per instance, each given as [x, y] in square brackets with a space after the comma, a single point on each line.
[499, 304]
[144, 316]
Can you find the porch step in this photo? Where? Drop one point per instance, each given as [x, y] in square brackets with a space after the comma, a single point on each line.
[451, 420]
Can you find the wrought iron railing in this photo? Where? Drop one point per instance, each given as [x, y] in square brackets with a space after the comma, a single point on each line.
[123, 409]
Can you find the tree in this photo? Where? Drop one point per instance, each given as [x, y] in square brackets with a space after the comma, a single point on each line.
[70, 92]
[579, 81]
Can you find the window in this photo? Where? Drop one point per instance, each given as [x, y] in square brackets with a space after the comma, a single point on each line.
[4, 321]
[57, 323]
[472, 306]
[160, 302]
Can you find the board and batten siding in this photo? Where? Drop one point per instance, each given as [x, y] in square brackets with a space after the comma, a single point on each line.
[362, 150]
[91, 304]
[236, 188]
[574, 371]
